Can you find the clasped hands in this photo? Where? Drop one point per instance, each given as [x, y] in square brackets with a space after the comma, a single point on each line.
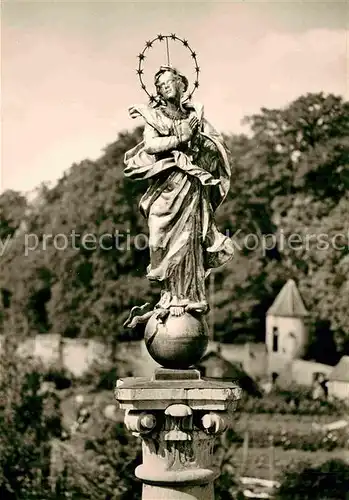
[186, 128]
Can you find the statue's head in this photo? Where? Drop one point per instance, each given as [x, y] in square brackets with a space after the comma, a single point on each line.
[170, 83]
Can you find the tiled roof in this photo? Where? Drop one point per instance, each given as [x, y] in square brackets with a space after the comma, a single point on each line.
[340, 372]
[288, 302]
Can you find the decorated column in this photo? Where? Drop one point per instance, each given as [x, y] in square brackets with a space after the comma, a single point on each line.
[177, 416]
[177, 413]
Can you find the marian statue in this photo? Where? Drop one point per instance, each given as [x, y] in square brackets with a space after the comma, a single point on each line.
[186, 163]
[176, 411]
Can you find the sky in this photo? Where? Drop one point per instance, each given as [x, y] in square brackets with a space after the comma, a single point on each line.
[68, 69]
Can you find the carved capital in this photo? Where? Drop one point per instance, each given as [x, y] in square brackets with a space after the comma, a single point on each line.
[214, 423]
[178, 423]
[140, 422]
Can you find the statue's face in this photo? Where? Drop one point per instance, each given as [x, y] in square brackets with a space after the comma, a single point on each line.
[168, 86]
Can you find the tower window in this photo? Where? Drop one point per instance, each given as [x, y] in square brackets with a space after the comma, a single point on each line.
[275, 339]
[5, 298]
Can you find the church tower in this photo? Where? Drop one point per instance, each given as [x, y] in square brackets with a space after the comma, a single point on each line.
[286, 331]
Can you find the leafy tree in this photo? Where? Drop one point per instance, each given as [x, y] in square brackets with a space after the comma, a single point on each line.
[29, 418]
[290, 178]
[13, 207]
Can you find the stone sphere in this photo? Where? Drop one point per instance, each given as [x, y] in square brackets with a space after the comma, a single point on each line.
[179, 342]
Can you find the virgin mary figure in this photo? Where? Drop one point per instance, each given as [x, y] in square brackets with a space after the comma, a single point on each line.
[187, 165]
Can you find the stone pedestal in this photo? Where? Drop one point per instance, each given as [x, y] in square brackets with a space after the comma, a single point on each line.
[177, 414]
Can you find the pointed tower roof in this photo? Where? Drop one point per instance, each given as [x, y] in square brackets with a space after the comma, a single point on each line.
[288, 302]
[340, 372]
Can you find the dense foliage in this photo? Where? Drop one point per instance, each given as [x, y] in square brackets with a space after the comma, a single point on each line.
[328, 481]
[29, 419]
[290, 177]
[289, 440]
[296, 401]
[103, 469]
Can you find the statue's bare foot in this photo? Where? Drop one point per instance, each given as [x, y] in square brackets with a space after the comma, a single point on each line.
[161, 314]
[177, 310]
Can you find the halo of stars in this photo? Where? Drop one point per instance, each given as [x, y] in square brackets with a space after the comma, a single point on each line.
[161, 38]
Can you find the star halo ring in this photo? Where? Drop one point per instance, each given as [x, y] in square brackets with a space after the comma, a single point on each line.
[161, 38]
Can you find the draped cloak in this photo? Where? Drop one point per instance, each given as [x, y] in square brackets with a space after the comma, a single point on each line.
[186, 188]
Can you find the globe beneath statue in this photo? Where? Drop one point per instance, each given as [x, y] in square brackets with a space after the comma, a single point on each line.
[178, 342]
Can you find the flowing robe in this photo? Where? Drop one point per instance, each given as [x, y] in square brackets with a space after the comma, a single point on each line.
[187, 186]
